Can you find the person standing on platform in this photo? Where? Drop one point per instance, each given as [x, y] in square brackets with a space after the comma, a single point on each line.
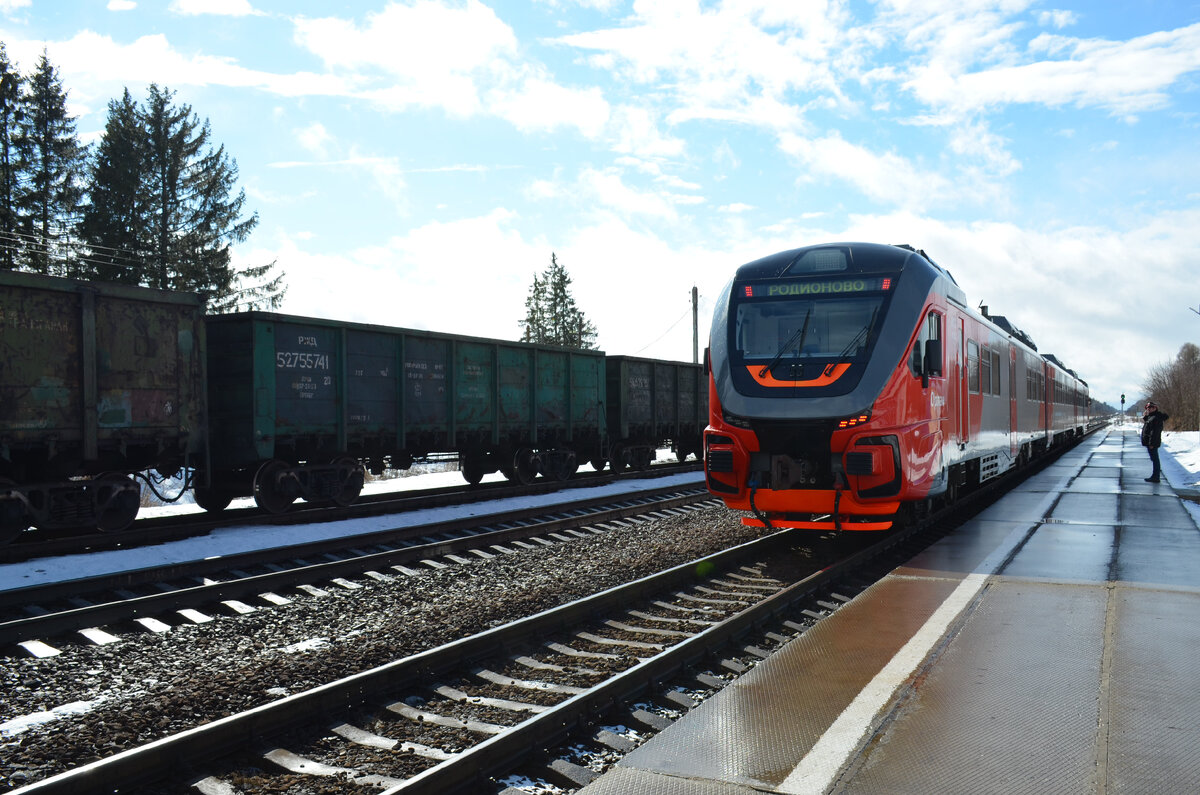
[1152, 425]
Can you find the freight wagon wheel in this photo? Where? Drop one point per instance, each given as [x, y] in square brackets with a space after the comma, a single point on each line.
[598, 464]
[211, 500]
[350, 480]
[13, 518]
[525, 466]
[472, 469]
[565, 465]
[275, 486]
[620, 458]
[117, 501]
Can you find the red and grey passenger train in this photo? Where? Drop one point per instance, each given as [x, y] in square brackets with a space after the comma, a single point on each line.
[851, 382]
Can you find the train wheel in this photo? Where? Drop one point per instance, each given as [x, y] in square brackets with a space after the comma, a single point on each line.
[275, 487]
[565, 465]
[598, 464]
[525, 466]
[472, 469]
[117, 502]
[350, 480]
[211, 500]
[619, 459]
[13, 518]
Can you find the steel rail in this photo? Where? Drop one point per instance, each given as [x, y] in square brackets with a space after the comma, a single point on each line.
[20, 629]
[156, 761]
[158, 529]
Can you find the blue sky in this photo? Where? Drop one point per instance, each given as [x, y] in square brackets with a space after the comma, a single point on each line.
[414, 163]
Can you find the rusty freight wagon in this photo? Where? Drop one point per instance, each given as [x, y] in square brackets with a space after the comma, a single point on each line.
[98, 382]
[299, 405]
[653, 404]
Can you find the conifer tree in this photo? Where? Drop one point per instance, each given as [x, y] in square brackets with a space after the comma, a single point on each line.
[177, 215]
[10, 113]
[114, 224]
[551, 315]
[51, 163]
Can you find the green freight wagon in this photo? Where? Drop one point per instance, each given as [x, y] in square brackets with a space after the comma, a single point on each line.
[98, 382]
[300, 404]
[652, 404]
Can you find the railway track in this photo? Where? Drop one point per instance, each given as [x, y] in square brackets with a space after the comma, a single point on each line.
[474, 714]
[170, 528]
[190, 591]
[459, 717]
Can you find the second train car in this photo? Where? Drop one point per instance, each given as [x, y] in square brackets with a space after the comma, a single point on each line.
[851, 381]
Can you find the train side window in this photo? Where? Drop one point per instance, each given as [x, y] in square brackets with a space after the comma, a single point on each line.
[985, 371]
[931, 329]
[996, 373]
[973, 367]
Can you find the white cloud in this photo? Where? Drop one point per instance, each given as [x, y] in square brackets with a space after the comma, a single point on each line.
[736, 62]
[121, 5]
[426, 54]
[9, 6]
[1057, 18]
[538, 103]
[889, 178]
[1124, 77]
[315, 138]
[230, 8]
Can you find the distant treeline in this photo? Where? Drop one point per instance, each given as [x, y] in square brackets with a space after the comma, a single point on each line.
[1175, 387]
[152, 203]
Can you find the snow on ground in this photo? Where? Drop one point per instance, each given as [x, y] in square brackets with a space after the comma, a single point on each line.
[234, 540]
[1180, 460]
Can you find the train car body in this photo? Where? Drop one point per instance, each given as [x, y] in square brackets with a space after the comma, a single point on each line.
[97, 381]
[849, 380]
[298, 404]
[653, 404]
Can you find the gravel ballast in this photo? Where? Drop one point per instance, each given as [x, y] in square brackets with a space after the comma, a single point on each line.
[151, 685]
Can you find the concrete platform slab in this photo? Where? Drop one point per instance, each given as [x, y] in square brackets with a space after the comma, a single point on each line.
[1072, 668]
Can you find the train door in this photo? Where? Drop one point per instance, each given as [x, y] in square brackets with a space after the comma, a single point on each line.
[964, 403]
[1013, 437]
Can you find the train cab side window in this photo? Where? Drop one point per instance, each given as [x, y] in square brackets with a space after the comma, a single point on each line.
[931, 329]
[996, 373]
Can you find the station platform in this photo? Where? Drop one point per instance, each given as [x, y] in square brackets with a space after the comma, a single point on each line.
[1050, 645]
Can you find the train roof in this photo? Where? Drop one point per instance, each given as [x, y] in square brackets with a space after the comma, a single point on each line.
[837, 257]
[1011, 330]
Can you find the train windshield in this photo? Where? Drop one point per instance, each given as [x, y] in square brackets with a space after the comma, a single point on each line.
[796, 329]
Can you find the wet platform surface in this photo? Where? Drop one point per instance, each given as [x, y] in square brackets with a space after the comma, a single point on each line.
[1051, 645]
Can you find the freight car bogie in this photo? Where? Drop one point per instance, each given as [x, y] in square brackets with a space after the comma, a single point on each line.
[109, 503]
[277, 484]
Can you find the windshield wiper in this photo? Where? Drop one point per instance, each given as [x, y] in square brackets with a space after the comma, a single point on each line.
[864, 332]
[802, 332]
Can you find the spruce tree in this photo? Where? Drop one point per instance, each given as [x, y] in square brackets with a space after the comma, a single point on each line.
[51, 164]
[551, 315]
[115, 222]
[10, 113]
[164, 197]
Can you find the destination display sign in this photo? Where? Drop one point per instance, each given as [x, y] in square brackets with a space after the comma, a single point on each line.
[816, 287]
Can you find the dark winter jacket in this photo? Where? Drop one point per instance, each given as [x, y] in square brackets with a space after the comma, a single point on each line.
[1152, 425]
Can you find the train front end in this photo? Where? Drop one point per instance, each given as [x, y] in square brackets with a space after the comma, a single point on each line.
[814, 413]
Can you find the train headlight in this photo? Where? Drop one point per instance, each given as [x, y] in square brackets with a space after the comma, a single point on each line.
[734, 420]
[857, 419]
